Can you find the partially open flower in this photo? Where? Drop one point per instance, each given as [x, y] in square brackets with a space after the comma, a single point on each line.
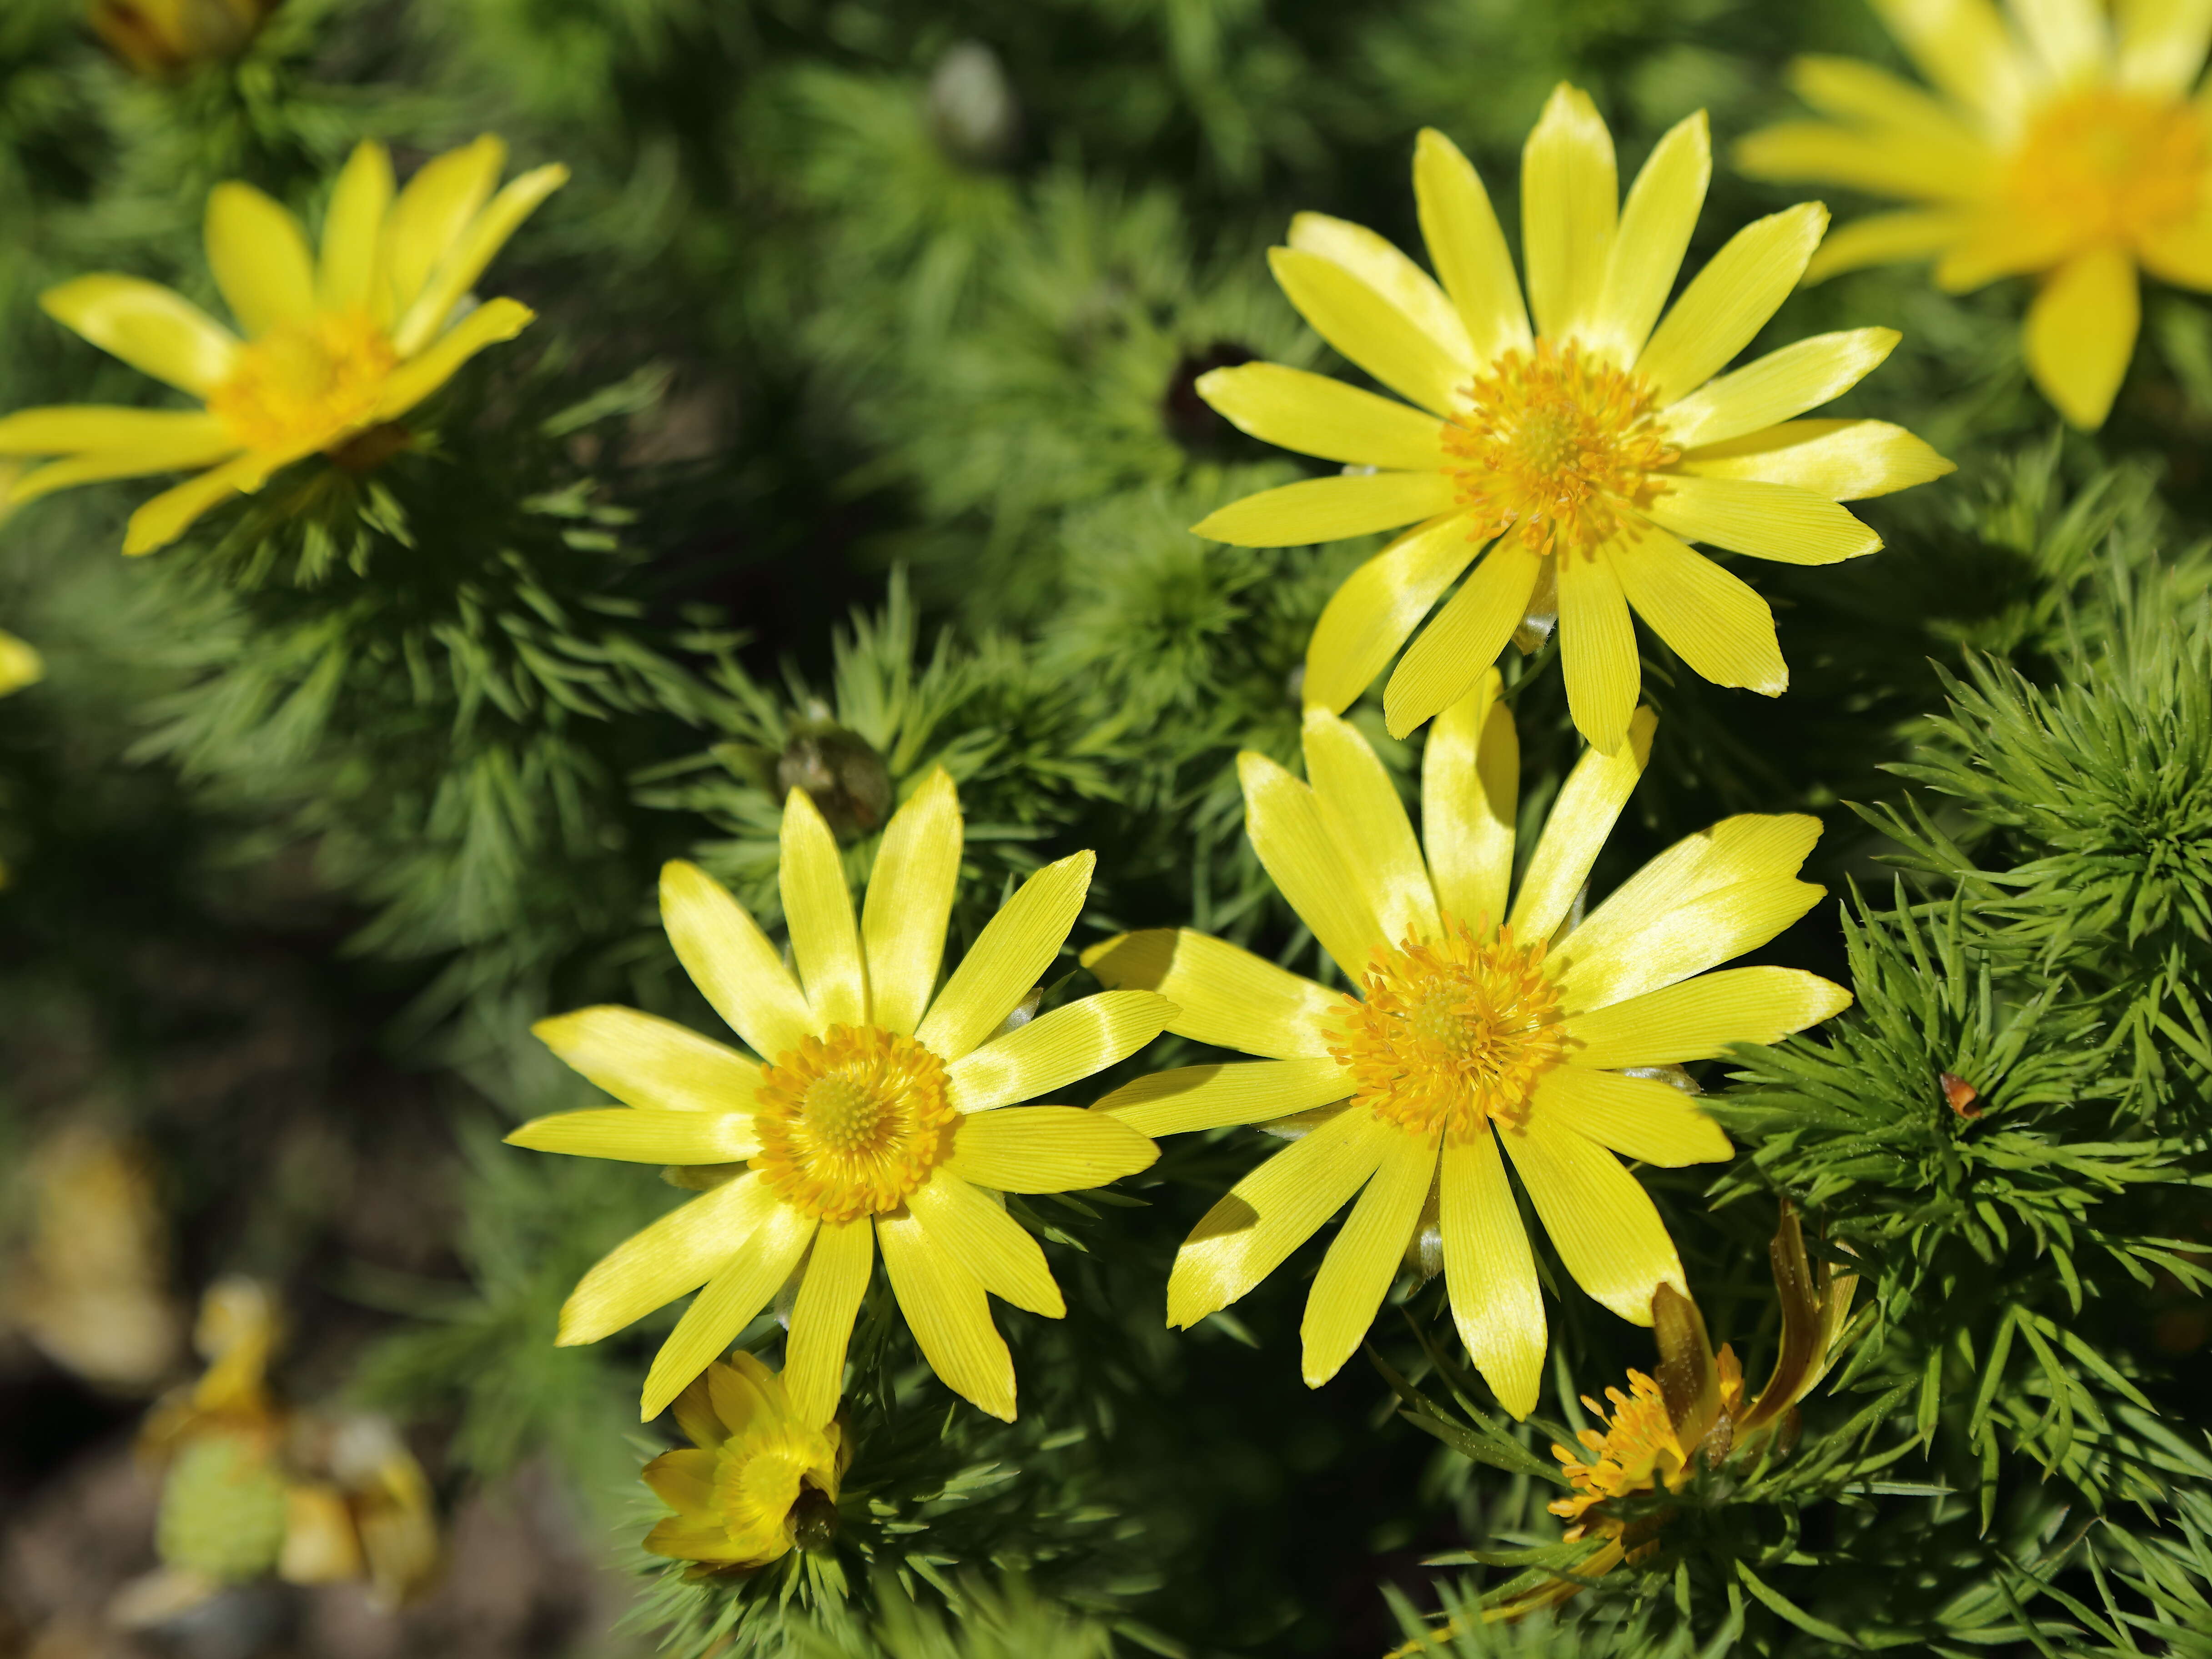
[758, 1480]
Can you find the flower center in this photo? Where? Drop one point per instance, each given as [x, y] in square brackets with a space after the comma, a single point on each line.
[1639, 1450]
[756, 1482]
[303, 387]
[852, 1121]
[2104, 165]
[1452, 1033]
[1552, 442]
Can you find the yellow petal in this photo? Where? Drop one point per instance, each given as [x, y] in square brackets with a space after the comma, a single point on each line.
[1751, 847]
[909, 901]
[259, 257]
[1698, 1018]
[944, 1304]
[2003, 242]
[635, 1135]
[1047, 1149]
[1372, 614]
[1045, 1055]
[1767, 521]
[1366, 327]
[694, 1411]
[1946, 139]
[1602, 1223]
[169, 514]
[678, 1253]
[1465, 637]
[98, 465]
[1011, 955]
[1491, 1274]
[1570, 198]
[1272, 1211]
[1364, 1255]
[1879, 162]
[1709, 618]
[1601, 964]
[684, 1480]
[1470, 785]
[1215, 1097]
[1842, 460]
[1597, 651]
[430, 213]
[1589, 803]
[1468, 247]
[650, 1062]
[1639, 1117]
[1731, 301]
[975, 1231]
[818, 907]
[1655, 223]
[2080, 333]
[1884, 239]
[2180, 253]
[1368, 822]
[353, 234]
[490, 323]
[743, 1392]
[1225, 995]
[1380, 265]
[2162, 43]
[731, 961]
[20, 665]
[2069, 37]
[1778, 386]
[1288, 831]
[1330, 509]
[735, 1293]
[156, 439]
[153, 330]
[1314, 414]
[474, 250]
[836, 1278]
[1963, 47]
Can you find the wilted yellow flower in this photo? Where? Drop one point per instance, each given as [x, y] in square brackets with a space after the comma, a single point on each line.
[2068, 145]
[885, 1116]
[758, 1480]
[166, 37]
[332, 348]
[1586, 454]
[1479, 1022]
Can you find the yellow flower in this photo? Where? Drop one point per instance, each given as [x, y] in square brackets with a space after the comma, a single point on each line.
[20, 665]
[2067, 146]
[881, 1120]
[166, 37]
[1478, 1022]
[330, 348]
[1587, 454]
[758, 1477]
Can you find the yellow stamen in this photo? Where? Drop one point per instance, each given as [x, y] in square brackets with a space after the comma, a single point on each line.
[852, 1121]
[1639, 1450]
[1554, 442]
[305, 386]
[2104, 165]
[1452, 1033]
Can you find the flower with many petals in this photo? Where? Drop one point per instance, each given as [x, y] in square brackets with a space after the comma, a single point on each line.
[2072, 145]
[758, 1480]
[1585, 454]
[880, 1114]
[330, 347]
[1486, 1018]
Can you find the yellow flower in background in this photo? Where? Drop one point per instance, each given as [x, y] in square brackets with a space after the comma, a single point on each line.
[2069, 144]
[759, 1479]
[331, 347]
[884, 1118]
[166, 37]
[1586, 454]
[20, 665]
[1486, 1018]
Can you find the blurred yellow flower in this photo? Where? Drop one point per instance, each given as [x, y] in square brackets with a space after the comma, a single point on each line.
[166, 37]
[1587, 454]
[20, 665]
[1479, 1023]
[331, 348]
[758, 1480]
[2070, 145]
[883, 1117]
